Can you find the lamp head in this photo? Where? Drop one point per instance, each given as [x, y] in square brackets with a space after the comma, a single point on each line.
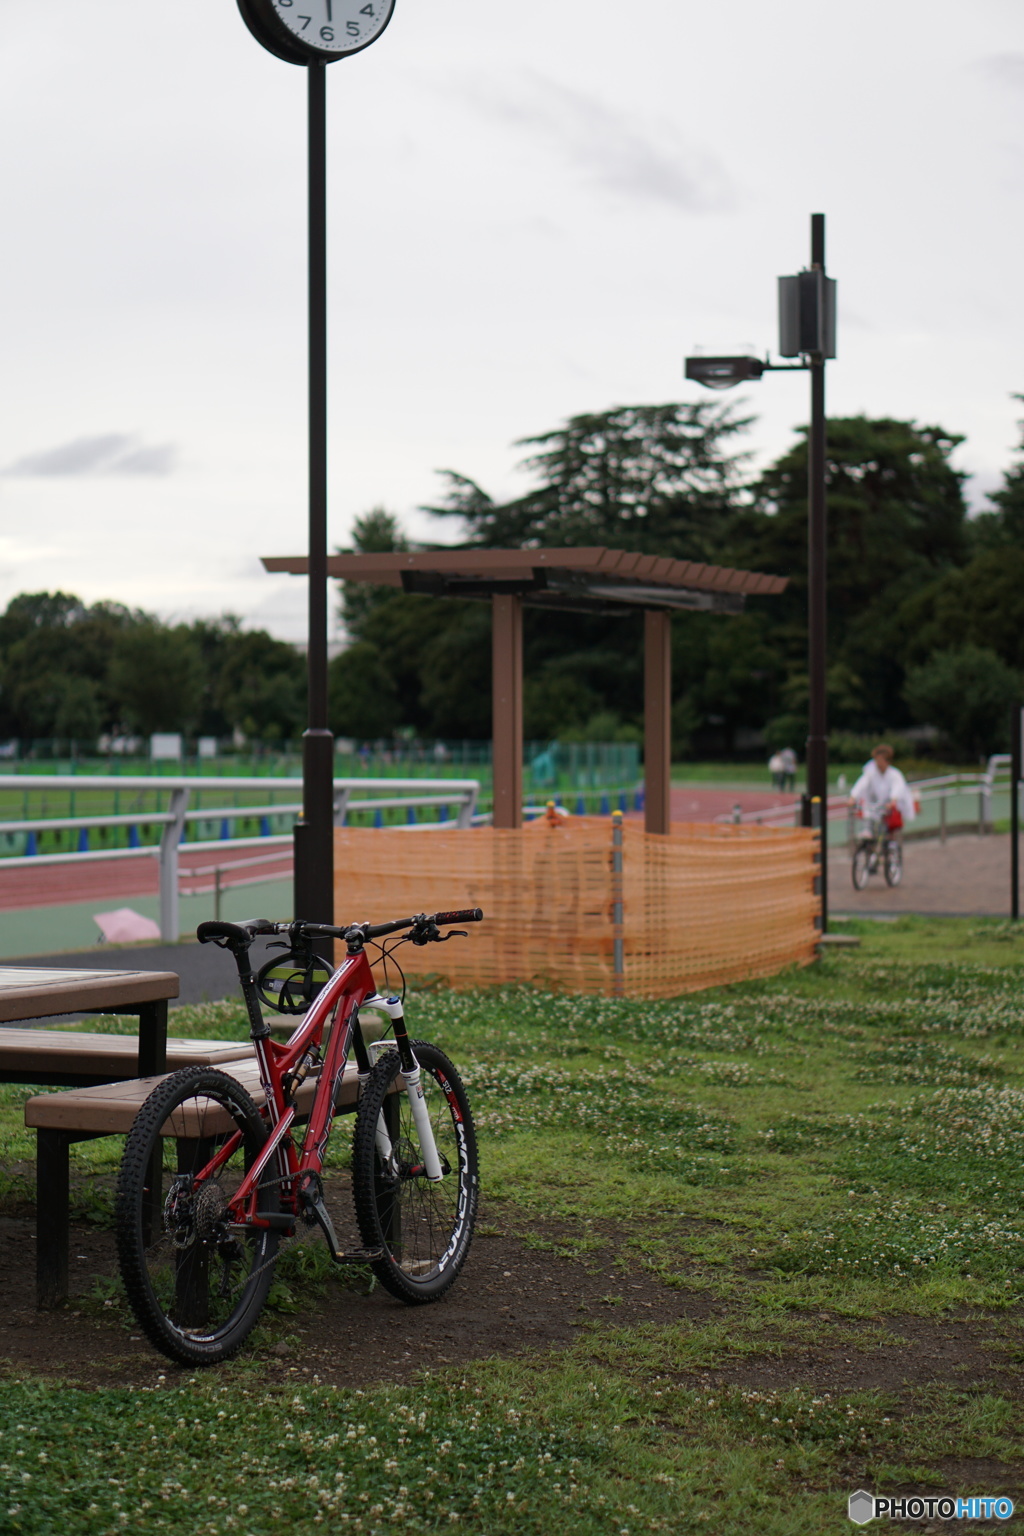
[723, 372]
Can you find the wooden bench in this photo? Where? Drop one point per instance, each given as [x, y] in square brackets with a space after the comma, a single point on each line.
[109, 1110]
[40, 992]
[72, 1058]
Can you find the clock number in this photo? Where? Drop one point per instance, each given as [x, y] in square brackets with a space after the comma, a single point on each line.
[305, 21]
[367, 10]
[327, 34]
[352, 28]
[285, 3]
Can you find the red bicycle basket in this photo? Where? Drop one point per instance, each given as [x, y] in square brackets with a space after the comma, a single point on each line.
[894, 819]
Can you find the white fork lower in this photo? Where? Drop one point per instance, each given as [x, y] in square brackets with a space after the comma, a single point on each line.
[417, 1103]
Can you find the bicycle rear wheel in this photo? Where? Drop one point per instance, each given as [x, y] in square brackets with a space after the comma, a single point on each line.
[196, 1284]
[893, 863]
[424, 1228]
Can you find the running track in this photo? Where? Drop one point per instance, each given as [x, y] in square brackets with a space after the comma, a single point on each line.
[114, 880]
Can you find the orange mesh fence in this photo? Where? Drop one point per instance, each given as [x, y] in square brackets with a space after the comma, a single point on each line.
[704, 906]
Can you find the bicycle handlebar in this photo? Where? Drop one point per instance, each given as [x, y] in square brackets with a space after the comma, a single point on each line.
[241, 935]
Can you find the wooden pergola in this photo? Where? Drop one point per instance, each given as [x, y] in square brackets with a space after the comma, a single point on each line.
[602, 581]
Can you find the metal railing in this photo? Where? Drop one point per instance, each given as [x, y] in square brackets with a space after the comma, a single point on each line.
[461, 794]
[968, 801]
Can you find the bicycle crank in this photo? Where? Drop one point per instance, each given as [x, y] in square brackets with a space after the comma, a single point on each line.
[314, 1211]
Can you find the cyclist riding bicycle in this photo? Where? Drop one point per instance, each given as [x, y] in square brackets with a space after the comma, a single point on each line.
[882, 796]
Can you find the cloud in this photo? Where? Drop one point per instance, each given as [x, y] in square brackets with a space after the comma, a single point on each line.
[619, 152]
[1005, 69]
[111, 453]
[160, 460]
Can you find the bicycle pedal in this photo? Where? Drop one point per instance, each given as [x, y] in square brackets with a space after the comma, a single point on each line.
[358, 1256]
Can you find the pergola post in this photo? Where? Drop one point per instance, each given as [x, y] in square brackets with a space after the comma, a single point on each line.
[507, 708]
[657, 720]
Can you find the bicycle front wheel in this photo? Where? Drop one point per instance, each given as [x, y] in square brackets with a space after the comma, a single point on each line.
[861, 867]
[425, 1228]
[893, 863]
[196, 1284]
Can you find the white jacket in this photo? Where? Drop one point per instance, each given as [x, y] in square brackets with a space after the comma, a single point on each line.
[874, 790]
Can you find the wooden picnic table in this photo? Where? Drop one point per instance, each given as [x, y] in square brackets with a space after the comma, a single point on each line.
[28, 992]
[71, 1058]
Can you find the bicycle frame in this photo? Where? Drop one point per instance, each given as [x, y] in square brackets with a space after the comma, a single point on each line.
[283, 1067]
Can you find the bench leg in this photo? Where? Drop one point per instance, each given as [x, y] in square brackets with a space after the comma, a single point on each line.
[51, 1217]
[153, 1038]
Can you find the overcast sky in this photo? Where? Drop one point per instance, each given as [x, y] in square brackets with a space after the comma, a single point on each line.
[536, 210]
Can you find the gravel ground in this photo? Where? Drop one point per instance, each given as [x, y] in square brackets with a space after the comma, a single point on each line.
[965, 876]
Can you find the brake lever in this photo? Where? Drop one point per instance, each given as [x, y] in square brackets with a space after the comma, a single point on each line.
[455, 933]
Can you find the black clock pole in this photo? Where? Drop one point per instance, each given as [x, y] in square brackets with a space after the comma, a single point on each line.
[314, 832]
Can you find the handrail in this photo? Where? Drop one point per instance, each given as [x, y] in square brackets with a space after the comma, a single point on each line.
[994, 776]
[461, 793]
[31, 781]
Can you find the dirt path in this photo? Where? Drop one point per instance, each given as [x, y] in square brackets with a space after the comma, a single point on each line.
[511, 1300]
[964, 876]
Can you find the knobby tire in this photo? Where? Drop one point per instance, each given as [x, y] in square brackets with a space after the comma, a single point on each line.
[424, 1228]
[196, 1286]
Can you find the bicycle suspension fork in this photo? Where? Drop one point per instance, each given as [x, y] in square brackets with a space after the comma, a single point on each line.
[412, 1073]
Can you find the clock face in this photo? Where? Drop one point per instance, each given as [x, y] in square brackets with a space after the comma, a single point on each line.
[334, 27]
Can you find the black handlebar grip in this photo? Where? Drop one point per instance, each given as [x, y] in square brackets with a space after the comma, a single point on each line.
[468, 915]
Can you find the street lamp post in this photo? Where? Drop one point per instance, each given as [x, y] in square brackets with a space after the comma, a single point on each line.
[807, 329]
[817, 561]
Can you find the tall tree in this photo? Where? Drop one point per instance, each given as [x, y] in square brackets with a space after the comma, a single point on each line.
[377, 532]
[55, 656]
[966, 691]
[897, 523]
[261, 689]
[156, 674]
[656, 478]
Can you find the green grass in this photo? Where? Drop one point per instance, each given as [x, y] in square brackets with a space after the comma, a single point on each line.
[612, 1444]
[822, 1156]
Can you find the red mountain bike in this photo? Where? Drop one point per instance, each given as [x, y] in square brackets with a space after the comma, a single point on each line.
[210, 1183]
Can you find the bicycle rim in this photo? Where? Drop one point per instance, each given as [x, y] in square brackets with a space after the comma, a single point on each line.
[196, 1284]
[424, 1228]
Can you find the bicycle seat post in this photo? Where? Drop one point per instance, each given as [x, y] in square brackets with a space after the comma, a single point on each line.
[259, 1029]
